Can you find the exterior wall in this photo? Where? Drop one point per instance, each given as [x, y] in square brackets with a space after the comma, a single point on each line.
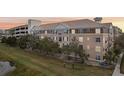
[88, 40]
[60, 37]
[20, 31]
[89, 44]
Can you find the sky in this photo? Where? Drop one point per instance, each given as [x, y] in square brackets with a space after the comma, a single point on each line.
[8, 22]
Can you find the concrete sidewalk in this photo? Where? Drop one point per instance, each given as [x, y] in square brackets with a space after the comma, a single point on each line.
[117, 67]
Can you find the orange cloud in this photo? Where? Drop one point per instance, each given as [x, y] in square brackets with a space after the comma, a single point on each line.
[5, 25]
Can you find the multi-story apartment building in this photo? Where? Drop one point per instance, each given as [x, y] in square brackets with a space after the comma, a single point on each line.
[95, 37]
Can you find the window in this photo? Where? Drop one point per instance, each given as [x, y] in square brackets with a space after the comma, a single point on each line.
[22, 28]
[52, 38]
[65, 38]
[80, 39]
[55, 38]
[59, 33]
[22, 32]
[88, 38]
[49, 31]
[66, 31]
[17, 32]
[40, 32]
[73, 31]
[105, 41]
[88, 47]
[81, 46]
[97, 57]
[98, 39]
[97, 31]
[45, 32]
[77, 31]
[102, 30]
[17, 36]
[85, 30]
[26, 28]
[17, 29]
[60, 38]
[92, 30]
[65, 44]
[81, 30]
[98, 48]
[42, 37]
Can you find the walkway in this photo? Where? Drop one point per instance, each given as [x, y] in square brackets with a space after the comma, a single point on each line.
[117, 67]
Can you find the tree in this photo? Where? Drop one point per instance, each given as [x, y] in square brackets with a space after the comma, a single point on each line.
[119, 41]
[76, 49]
[82, 54]
[28, 41]
[12, 41]
[54, 47]
[112, 55]
[48, 46]
[3, 40]
[108, 56]
[32, 42]
[66, 51]
[22, 42]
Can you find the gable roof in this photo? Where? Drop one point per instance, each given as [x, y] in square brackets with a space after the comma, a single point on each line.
[84, 23]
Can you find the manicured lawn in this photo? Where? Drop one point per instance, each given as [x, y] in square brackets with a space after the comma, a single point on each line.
[122, 65]
[29, 63]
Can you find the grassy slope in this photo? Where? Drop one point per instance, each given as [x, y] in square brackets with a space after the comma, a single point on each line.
[33, 64]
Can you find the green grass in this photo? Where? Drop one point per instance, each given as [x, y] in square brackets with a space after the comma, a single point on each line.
[30, 63]
[122, 65]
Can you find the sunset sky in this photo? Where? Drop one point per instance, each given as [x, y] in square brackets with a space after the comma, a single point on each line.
[8, 22]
